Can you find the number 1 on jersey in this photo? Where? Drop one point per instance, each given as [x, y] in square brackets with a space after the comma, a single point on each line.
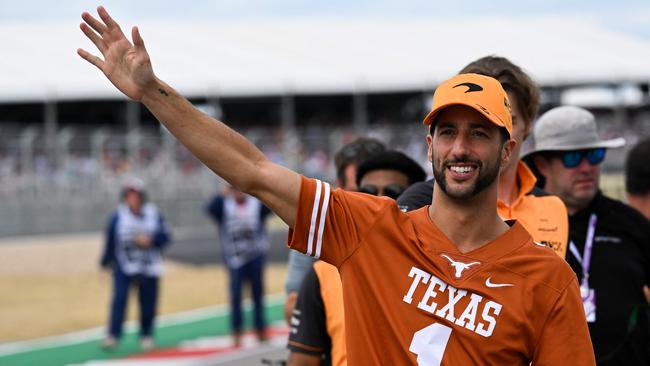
[429, 344]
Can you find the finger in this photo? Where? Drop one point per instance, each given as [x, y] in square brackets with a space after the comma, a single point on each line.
[91, 58]
[94, 23]
[646, 292]
[96, 39]
[110, 23]
[138, 42]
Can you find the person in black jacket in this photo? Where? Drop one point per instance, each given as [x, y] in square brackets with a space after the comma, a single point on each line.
[637, 177]
[609, 247]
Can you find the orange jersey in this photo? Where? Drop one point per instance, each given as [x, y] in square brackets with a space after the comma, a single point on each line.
[411, 297]
[544, 216]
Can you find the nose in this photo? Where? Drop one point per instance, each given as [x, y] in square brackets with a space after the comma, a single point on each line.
[585, 167]
[460, 146]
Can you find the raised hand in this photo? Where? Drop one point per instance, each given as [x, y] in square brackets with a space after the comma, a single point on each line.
[126, 65]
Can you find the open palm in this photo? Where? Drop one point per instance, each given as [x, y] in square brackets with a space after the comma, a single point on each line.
[126, 65]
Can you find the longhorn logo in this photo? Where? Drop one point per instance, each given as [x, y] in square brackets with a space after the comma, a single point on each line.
[459, 266]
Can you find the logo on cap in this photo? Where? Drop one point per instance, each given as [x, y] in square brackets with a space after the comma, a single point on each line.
[471, 87]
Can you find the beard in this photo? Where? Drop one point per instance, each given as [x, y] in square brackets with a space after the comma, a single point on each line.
[487, 174]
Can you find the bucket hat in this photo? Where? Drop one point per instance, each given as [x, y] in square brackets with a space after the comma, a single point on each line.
[569, 128]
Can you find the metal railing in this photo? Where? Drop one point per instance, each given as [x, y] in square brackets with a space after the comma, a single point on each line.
[73, 183]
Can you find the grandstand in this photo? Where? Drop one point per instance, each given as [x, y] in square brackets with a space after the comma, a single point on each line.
[297, 88]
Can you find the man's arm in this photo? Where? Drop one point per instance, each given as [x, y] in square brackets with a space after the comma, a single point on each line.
[109, 244]
[303, 359]
[162, 237]
[215, 209]
[565, 335]
[299, 265]
[220, 148]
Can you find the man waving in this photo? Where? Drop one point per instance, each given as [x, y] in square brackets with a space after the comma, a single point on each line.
[405, 301]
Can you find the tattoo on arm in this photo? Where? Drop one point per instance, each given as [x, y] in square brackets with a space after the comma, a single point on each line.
[163, 92]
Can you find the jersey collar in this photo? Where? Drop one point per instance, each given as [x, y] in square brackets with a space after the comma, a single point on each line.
[434, 240]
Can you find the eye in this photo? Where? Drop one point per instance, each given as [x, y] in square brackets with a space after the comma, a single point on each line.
[479, 133]
[446, 131]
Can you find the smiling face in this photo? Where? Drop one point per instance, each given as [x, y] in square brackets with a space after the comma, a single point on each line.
[466, 152]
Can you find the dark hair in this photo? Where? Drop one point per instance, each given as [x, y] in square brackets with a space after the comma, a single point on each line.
[637, 169]
[513, 79]
[354, 153]
[126, 190]
[392, 160]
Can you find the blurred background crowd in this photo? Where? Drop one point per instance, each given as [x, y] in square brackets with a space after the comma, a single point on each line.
[79, 166]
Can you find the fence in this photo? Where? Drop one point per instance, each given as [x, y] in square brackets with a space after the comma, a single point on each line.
[72, 182]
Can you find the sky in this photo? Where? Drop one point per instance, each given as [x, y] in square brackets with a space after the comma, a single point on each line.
[628, 16]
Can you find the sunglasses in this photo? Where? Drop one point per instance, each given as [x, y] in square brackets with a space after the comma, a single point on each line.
[391, 191]
[571, 159]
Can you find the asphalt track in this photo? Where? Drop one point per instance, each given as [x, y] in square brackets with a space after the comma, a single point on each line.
[271, 355]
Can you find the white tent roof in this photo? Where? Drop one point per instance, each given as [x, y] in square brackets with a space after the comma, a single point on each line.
[39, 62]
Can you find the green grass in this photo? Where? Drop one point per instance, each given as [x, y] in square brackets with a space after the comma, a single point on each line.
[166, 336]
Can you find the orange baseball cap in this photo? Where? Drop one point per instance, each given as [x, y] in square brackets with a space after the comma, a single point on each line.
[483, 93]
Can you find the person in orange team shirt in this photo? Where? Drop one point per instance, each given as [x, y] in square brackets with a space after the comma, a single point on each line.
[448, 284]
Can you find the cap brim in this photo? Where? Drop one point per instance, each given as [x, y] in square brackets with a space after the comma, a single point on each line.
[607, 144]
[428, 120]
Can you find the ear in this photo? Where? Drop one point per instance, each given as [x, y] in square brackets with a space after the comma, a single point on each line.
[506, 151]
[429, 147]
[528, 129]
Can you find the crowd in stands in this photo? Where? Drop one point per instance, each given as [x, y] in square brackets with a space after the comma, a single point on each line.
[26, 169]
[303, 149]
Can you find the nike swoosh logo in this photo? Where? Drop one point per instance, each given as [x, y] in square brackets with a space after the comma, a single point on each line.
[489, 283]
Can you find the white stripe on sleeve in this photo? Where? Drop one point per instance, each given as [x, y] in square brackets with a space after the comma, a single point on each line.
[314, 214]
[321, 225]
